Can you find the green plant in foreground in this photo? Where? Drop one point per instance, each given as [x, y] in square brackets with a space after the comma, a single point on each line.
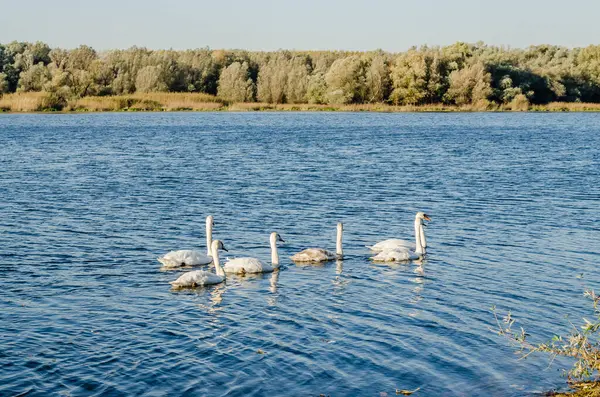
[582, 344]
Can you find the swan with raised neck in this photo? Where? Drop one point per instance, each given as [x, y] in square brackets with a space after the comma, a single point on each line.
[402, 250]
[181, 258]
[253, 265]
[318, 255]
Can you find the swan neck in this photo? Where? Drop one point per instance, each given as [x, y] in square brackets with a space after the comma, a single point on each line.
[215, 255]
[418, 231]
[274, 253]
[209, 238]
[338, 246]
[423, 239]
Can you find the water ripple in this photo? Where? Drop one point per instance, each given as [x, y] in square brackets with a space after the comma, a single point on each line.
[89, 201]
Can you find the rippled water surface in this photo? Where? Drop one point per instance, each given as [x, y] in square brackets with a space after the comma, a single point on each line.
[87, 203]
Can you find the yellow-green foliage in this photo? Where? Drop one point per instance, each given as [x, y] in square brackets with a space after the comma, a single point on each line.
[462, 74]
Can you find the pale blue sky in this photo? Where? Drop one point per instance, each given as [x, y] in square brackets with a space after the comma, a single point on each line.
[307, 24]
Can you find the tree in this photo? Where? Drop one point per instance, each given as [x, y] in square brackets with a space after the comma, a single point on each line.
[272, 80]
[34, 78]
[469, 85]
[346, 81]
[3, 83]
[377, 80]
[150, 79]
[409, 78]
[235, 83]
[298, 79]
[317, 88]
[419, 76]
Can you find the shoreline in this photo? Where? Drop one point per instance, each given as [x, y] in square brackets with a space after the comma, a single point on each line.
[42, 102]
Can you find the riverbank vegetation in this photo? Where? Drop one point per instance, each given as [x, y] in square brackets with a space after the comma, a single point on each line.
[459, 77]
[175, 101]
[582, 344]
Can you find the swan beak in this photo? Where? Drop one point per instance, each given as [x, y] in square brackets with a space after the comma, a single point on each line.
[225, 249]
[426, 217]
[282, 240]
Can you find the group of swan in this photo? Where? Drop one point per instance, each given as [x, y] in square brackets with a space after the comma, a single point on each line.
[386, 251]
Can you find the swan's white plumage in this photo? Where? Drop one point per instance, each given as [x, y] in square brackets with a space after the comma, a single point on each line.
[184, 258]
[198, 278]
[247, 265]
[190, 257]
[314, 255]
[395, 256]
[392, 244]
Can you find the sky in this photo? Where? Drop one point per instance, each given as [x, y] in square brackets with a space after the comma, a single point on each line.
[299, 25]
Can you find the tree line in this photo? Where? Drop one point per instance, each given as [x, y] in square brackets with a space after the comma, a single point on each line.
[458, 74]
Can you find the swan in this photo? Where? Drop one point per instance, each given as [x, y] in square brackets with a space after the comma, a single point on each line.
[404, 245]
[253, 265]
[320, 254]
[191, 257]
[397, 250]
[198, 278]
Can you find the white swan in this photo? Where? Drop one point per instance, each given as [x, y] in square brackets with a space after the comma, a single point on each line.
[198, 278]
[191, 257]
[397, 250]
[253, 265]
[403, 244]
[320, 254]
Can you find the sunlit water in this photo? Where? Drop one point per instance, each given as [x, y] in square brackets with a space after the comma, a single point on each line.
[87, 203]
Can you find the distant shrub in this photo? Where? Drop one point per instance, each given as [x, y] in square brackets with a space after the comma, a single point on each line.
[52, 101]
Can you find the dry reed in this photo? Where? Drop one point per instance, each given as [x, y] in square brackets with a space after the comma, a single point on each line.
[21, 102]
[176, 101]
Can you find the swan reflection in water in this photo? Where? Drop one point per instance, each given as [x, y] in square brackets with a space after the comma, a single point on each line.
[419, 280]
[274, 296]
[339, 280]
[273, 281]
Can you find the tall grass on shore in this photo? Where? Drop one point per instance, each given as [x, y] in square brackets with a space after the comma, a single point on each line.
[170, 101]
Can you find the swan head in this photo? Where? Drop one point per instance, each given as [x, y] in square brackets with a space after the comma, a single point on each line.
[218, 245]
[276, 237]
[210, 221]
[340, 226]
[422, 216]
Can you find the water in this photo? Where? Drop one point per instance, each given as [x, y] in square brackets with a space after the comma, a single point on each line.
[87, 203]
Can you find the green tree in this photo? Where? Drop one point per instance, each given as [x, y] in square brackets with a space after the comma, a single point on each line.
[34, 78]
[409, 78]
[298, 79]
[346, 81]
[3, 83]
[235, 83]
[151, 79]
[470, 85]
[272, 80]
[377, 80]
[317, 88]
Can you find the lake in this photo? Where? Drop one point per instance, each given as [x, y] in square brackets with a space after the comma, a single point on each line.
[89, 201]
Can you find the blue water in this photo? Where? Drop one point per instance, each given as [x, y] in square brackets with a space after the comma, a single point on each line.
[87, 202]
